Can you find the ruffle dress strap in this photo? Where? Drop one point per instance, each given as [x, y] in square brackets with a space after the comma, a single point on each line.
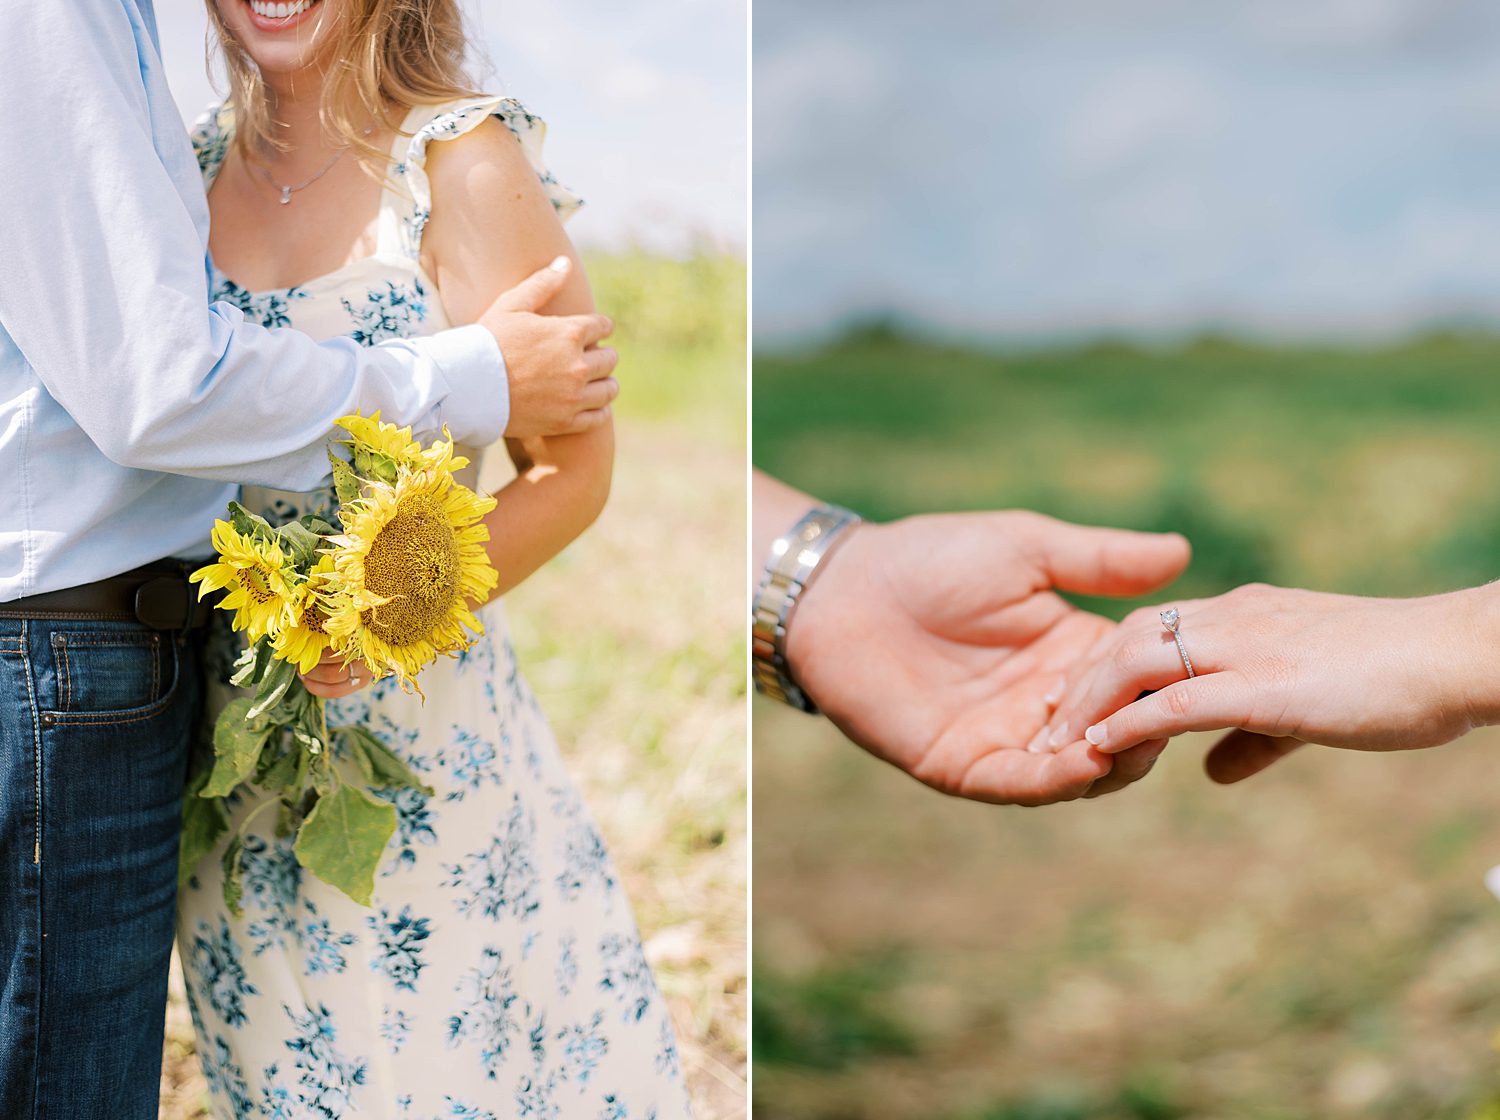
[211, 134]
[412, 204]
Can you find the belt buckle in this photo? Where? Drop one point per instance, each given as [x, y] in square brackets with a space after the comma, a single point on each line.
[164, 603]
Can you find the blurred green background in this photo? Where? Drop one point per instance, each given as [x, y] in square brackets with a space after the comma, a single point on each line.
[1316, 943]
[642, 677]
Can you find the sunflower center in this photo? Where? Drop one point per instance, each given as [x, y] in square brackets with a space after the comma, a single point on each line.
[414, 561]
[257, 585]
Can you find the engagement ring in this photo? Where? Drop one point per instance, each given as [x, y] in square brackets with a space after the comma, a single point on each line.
[1170, 619]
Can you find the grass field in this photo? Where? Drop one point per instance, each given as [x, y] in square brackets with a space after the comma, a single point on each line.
[640, 665]
[1314, 944]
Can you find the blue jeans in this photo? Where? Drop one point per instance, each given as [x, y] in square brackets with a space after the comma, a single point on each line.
[95, 723]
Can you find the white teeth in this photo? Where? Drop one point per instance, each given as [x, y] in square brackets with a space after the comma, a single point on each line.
[279, 10]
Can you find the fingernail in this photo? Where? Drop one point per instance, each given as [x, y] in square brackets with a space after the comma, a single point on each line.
[1096, 735]
[1038, 742]
[1058, 737]
[561, 264]
[1056, 692]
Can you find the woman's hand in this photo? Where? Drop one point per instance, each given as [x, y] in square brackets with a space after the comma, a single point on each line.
[939, 644]
[1287, 667]
[331, 680]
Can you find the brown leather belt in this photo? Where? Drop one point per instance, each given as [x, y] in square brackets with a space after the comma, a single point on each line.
[157, 595]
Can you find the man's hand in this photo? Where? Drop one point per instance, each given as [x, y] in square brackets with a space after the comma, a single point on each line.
[939, 644]
[560, 381]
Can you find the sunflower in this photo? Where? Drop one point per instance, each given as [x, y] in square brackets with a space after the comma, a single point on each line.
[303, 639]
[256, 575]
[408, 563]
[370, 434]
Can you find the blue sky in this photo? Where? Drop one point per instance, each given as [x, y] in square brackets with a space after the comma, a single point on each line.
[645, 105]
[1286, 167]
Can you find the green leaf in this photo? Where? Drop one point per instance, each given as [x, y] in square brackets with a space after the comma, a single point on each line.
[320, 768]
[250, 524]
[345, 481]
[361, 756]
[380, 765]
[234, 889]
[343, 838]
[203, 822]
[278, 774]
[251, 665]
[289, 818]
[300, 543]
[238, 740]
[316, 524]
[273, 687]
[372, 464]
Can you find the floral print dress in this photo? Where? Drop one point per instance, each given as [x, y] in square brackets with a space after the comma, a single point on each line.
[499, 972]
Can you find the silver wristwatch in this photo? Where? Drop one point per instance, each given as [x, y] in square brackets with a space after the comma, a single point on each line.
[794, 561]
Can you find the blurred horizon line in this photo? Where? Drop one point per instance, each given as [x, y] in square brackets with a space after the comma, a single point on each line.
[914, 328]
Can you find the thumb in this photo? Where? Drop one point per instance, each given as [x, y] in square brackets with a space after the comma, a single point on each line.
[537, 290]
[1105, 561]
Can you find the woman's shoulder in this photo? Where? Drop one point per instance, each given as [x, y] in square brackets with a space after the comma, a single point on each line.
[484, 146]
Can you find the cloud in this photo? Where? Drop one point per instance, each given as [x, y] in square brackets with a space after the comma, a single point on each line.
[1141, 165]
[1143, 110]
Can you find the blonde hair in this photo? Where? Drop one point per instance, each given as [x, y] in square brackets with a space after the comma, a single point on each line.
[401, 52]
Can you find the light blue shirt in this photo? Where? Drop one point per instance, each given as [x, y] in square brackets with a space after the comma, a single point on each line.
[130, 409]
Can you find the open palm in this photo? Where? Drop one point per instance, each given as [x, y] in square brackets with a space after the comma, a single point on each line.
[938, 643]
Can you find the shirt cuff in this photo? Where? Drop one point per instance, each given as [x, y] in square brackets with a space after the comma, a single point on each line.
[477, 407]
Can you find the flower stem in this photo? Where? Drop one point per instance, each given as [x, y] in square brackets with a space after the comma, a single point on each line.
[322, 706]
[243, 830]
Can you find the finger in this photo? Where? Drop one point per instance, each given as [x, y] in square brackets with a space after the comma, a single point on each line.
[1241, 754]
[587, 421]
[598, 394]
[333, 691]
[600, 363]
[1136, 661]
[594, 328]
[1104, 561]
[1018, 777]
[1130, 767]
[333, 674]
[1205, 703]
[538, 289]
[1050, 700]
[1068, 705]
[331, 670]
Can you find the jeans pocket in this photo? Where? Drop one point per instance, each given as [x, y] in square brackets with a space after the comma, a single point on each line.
[112, 676]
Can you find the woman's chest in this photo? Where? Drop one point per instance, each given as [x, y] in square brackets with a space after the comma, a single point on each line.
[265, 243]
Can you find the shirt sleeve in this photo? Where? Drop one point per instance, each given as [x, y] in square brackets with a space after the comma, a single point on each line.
[104, 285]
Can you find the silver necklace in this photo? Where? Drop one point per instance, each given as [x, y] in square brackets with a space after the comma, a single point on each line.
[287, 190]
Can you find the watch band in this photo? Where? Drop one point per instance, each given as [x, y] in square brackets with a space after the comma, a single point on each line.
[795, 559]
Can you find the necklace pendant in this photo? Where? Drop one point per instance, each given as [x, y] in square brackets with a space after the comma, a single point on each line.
[286, 195]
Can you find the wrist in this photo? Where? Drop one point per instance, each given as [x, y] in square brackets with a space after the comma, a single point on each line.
[1469, 637]
[819, 605]
[796, 559]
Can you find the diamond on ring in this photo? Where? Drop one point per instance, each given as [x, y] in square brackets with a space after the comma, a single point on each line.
[1171, 619]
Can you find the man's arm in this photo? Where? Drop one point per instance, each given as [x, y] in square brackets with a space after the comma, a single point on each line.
[103, 287]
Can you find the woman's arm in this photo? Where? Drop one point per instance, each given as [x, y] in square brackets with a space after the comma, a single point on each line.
[1279, 667]
[492, 225]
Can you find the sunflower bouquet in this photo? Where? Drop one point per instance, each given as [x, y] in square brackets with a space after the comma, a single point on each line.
[390, 586]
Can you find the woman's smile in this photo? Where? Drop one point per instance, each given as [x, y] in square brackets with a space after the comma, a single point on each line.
[278, 16]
